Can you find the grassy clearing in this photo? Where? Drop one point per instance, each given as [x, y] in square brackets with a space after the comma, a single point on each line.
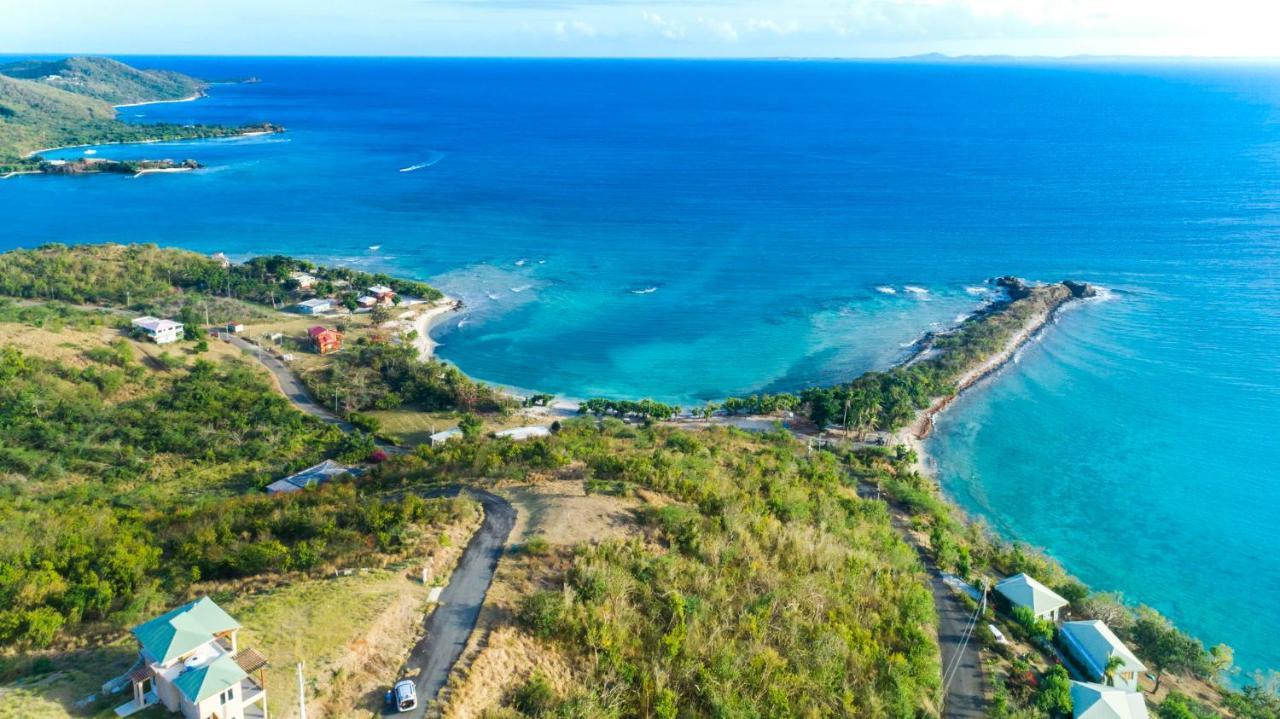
[321, 623]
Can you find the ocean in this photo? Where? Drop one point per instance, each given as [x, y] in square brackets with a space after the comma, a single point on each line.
[688, 230]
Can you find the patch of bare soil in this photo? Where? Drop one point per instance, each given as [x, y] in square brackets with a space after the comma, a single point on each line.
[562, 512]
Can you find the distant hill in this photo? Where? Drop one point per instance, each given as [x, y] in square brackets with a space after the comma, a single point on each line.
[33, 115]
[69, 102]
[105, 79]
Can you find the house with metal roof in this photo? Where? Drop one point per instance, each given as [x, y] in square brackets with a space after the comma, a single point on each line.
[1099, 701]
[157, 330]
[309, 477]
[1091, 644]
[1022, 590]
[189, 661]
[315, 306]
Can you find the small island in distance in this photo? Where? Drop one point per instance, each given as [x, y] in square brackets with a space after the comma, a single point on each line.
[61, 103]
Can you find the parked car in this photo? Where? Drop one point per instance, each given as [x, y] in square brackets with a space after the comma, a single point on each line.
[402, 697]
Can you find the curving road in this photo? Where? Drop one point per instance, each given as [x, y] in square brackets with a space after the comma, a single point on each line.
[450, 626]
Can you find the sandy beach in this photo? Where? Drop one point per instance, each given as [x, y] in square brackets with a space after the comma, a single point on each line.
[196, 96]
[914, 434]
[427, 319]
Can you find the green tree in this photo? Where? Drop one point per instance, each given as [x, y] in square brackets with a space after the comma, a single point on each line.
[1166, 647]
[1054, 695]
[471, 425]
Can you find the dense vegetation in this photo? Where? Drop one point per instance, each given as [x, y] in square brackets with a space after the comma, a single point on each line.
[377, 375]
[123, 485]
[889, 400]
[69, 102]
[768, 588]
[141, 275]
[103, 78]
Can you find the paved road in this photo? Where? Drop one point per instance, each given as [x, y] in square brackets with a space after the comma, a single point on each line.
[965, 698]
[451, 624]
[290, 385]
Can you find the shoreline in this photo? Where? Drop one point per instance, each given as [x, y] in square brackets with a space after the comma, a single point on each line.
[196, 96]
[918, 430]
[428, 319]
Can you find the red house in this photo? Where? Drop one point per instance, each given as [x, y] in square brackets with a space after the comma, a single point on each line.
[325, 340]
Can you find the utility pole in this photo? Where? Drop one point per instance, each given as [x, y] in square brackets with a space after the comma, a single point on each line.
[302, 697]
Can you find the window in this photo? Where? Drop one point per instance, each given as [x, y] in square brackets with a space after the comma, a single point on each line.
[227, 696]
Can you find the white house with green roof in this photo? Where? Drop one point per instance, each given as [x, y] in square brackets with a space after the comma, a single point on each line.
[189, 661]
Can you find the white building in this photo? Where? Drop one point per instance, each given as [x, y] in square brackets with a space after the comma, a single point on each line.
[160, 331]
[444, 436]
[520, 434]
[1024, 591]
[1099, 701]
[1092, 644]
[308, 477]
[315, 307]
[189, 662]
[304, 280]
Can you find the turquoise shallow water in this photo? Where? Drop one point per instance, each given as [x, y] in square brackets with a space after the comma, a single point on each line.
[688, 231]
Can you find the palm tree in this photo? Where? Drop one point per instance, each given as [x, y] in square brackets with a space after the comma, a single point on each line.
[1114, 663]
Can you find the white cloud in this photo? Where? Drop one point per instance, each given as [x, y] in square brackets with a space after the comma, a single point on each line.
[568, 29]
[666, 28]
[721, 29]
[773, 26]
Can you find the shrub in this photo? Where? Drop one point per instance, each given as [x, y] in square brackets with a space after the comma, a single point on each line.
[541, 613]
[536, 697]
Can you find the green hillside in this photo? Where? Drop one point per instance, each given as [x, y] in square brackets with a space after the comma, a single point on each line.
[69, 102]
[105, 79]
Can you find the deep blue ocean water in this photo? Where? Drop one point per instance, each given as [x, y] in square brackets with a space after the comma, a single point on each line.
[691, 230]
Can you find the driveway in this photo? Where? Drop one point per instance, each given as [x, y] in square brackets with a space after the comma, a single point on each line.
[450, 626]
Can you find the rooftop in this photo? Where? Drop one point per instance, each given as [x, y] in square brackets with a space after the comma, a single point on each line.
[1024, 591]
[155, 324]
[201, 682]
[309, 477]
[183, 630]
[1098, 701]
[1097, 643]
[317, 302]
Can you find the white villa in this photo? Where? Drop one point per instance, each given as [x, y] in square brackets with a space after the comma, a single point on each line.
[162, 332]
[189, 662]
[1092, 643]
[1099, 701]
[308, 477]
[1024, 591]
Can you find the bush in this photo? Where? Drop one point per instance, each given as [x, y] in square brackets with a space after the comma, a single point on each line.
[536, 697]
[541, 613]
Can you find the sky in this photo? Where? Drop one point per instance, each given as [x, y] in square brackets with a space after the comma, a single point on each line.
[643, 28]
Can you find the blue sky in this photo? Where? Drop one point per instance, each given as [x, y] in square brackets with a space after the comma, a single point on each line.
[642, 28]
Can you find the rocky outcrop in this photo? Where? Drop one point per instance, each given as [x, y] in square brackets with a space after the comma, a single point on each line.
[1080, 290]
